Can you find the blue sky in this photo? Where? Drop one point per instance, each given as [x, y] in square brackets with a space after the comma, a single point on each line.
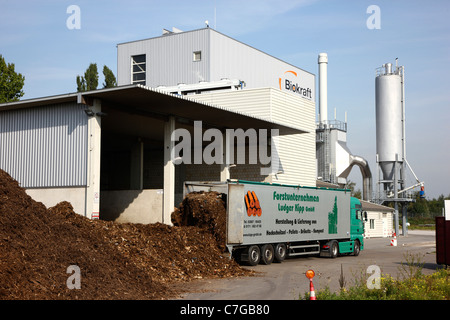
[34, 36]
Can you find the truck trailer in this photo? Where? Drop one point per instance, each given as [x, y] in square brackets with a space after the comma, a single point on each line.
[268, 222]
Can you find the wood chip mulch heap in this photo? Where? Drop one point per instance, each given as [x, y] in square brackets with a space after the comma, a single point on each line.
[116, 261]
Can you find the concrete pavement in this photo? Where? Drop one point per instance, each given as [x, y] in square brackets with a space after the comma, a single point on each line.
[286, 281]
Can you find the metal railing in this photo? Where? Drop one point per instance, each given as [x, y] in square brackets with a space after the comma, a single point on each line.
[332, 124]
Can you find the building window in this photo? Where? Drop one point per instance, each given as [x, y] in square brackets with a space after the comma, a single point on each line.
[372, 223]
[138, 68]
[197, 55]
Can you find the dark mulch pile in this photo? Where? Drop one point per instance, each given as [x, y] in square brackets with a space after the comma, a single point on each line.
[116, 261]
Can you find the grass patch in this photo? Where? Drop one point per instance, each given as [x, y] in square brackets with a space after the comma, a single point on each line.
[411, 284]
[419, 223]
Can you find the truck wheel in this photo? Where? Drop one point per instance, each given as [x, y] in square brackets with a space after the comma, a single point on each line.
[356, 248]
[334, 249]
[254, 255]
[267, 254]
[280, 252]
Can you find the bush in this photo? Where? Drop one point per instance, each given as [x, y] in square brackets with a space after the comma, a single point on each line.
[411, 285]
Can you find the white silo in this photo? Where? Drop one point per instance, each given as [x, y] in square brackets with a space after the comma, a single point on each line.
[391, 142]
[389, 120]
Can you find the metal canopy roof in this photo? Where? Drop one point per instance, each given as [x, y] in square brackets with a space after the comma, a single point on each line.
[154, 103]
[370, 206]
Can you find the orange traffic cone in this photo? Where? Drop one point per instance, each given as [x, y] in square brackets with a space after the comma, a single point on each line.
[310, 275]
[394, 241]
[312, 294]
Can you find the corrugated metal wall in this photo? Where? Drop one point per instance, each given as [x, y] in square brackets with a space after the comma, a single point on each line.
[169, 59]
[170, 62]
[45, 146]
[236, 60]
[255, 101]
[297, 152]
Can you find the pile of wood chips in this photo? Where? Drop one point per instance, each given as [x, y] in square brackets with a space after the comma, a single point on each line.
[116, 261]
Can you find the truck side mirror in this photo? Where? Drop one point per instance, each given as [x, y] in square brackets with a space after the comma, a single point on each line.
[365, 216]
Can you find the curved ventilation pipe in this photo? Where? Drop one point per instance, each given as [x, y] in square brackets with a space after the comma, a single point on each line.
[365, 172]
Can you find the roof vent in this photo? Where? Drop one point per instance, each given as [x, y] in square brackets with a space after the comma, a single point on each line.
[166, 32]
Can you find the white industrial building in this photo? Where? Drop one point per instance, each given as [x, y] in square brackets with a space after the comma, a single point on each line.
[205, 55]
[108, 151]
[204, 63]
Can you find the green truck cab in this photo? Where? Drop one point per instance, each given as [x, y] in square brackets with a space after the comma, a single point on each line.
[357, 218]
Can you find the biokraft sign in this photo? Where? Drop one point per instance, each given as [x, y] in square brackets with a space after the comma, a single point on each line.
[287, 214]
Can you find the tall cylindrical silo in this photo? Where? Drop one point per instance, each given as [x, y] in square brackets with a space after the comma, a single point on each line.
[389, 115]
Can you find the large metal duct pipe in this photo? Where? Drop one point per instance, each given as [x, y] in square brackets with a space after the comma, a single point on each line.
[366, 174]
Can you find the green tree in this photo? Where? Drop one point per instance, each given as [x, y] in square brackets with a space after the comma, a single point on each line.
[426, 207]
[90, 79]
[81, 84]
[110, 79]
[11, 83]
[354, 193]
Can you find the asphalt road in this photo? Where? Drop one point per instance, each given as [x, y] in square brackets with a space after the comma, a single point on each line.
[286, 281]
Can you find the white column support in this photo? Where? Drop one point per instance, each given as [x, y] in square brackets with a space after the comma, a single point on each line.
[93, 163]
[169, 172]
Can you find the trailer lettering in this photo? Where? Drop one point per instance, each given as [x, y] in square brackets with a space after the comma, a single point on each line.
[284, 221]
[285, 207]
[275, 232]
[294, 197]
[256, 234]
